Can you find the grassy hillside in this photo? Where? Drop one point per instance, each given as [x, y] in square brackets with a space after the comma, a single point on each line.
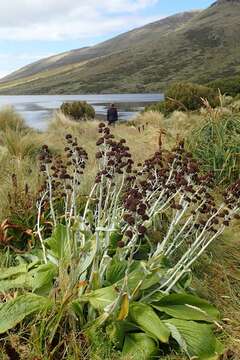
[140, 37]
[198, 46]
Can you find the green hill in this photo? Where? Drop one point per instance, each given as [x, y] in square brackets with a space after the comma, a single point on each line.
[198, 46]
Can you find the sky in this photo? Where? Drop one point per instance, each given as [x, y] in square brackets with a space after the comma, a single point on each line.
[33, 29]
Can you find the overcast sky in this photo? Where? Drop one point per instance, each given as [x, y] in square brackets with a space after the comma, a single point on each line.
[33, 29]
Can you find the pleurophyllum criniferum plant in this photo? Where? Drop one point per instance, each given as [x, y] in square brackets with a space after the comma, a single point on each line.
[122, 260]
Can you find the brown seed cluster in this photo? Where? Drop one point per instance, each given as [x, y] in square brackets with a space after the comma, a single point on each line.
[63, 174]
[136, 211]
[114, 156]
[176, 175]
[171, 180]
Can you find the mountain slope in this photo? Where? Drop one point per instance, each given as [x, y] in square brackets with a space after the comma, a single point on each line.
[196, 46]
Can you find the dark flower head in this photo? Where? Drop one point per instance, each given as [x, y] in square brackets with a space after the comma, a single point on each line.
[98, 155]
[42, 168]
[100, 141]
[129, 234]
[121, 244]
[142, 229]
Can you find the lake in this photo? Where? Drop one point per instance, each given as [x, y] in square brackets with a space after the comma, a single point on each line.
[38, 109]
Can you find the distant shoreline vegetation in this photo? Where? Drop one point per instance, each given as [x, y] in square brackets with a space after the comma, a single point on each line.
[184, 96]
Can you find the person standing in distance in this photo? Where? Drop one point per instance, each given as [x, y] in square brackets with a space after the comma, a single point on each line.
[112, 114]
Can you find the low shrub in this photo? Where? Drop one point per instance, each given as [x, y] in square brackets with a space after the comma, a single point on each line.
[228, 86]
[78, 110]
[185, 97]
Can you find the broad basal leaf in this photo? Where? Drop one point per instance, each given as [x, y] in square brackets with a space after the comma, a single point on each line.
[7, 273]
[141, 275]
[58, 243]
[14, 311]
[101, 298]
[139, 346]
[187, 307]
[43, 278]
[194, 338]
[146, 318]
[117, 330]
[115, 271]
[23, 281]
[87, 258]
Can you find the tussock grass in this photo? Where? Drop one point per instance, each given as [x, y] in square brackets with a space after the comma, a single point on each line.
[9, 119]
[20, 145]
[178, 125]
[216, 143]
[26, 171]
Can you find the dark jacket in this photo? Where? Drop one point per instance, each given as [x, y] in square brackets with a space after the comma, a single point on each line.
[112, 115]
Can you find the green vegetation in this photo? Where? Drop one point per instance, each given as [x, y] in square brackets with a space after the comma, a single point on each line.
[109, 255]
[229, 86]
[78, 110]
[185, 97]
[198, 47]
[216, 144]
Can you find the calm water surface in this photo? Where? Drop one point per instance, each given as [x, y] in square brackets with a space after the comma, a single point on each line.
[38, 109]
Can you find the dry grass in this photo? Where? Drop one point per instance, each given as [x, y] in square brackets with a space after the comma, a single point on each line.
[178, 125]
[9, 119]
[20, 145]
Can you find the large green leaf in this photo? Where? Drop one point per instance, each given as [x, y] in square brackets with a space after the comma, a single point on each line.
[43, 278]
[6, 273]
[116, 270]
[187, 307]
[146, 318]
[140, 274]
[194, 338]
[116, 331]
[87, 257]
[58, 243]
[139, 346]
[100, 298]
[14, 311]
[23, 281]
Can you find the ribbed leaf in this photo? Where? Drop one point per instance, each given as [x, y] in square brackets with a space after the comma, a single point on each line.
[140, 274]
[115, 271]
[117, 330]
[100, 298]
[14, 311]
[146, 318]
[43, 278]
[187, 307]
[139, 347]
[6, 273]
[23, 281]
[87, 258]
[194, 338]
[58, 243]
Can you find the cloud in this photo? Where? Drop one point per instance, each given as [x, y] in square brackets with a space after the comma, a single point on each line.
[57, 23]
[69, 19]
[9, 62]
